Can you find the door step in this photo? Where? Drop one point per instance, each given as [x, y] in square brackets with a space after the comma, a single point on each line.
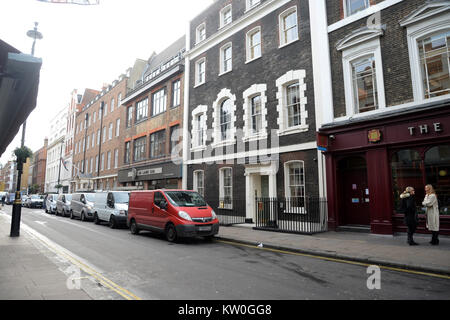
[354, 228]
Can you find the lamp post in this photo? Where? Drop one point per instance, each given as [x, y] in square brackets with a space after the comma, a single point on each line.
[17, 206]
[59, 169]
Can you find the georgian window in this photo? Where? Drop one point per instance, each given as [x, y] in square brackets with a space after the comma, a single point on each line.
[117, 127]
[226, 16]
[294, 172]
[200, 33]
[129, 116]
[198, 124]
[159, 99]
[110, 131]
[200, 72]
[224, 118]
[116, 158]
[354, 6]
[127, 152]
[109, 160]
[225, 113]
[199, 182]
[288, 26]
[254, 44]
[226, 188]
[176, 93]
[142, 110]
[255, 112]
[158, 144]
[250, 4]
[139, 149]
[364, 83]
[112, 104]
[226, 58]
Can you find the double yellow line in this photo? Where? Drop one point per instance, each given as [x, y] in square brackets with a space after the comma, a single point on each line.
[429, 274]
[93, 273]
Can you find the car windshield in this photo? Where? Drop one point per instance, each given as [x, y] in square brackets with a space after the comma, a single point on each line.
[90, 197]
[68, 197]
[35, 197]
[121, 197]
[186, 199]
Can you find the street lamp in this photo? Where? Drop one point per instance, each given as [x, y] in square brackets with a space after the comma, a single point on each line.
[17, 206]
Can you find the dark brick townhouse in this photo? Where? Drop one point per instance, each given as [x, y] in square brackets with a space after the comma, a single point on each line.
[385, 104]
[251, 113]
[153, 109]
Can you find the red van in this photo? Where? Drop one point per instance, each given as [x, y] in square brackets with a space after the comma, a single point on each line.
[176, 213]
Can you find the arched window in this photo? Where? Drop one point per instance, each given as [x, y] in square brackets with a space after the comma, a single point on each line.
[437, 170]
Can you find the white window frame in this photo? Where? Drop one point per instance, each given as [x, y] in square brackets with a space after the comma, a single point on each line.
[293, 76]
[224, 10]
[217, 139]
[222, 187]
[196, 182]
[197, 72]
[352, 53]
[254, 90]
[110, 131]
[287, 190]
[159, 102]
[248, 46]
[198, 111]
[116, 158]
[112, 104]
[250, 4]
[415, 32]
[283, 41]
[346, 13]
[109, 161]
[198, 34]
[229, 45]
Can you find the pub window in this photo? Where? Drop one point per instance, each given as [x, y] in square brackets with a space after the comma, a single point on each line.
[437, 170]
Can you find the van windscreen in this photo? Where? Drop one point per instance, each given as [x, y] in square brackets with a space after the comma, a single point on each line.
[121, 197]
[186, 199]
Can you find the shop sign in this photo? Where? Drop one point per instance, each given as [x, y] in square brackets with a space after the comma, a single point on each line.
[374, 136]
[426, 129]
[145, 172]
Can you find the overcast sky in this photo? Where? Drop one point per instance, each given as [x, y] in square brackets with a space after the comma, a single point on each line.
[86, 46]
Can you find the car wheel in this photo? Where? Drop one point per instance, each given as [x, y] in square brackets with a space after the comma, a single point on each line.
[63, 213]
[133, 227]
[96, 219]
[112, 222]
[171, 233]
[46, 211]
[83, 218]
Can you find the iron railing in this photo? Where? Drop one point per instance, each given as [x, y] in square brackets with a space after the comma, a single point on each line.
[304, 215]
[229, 211]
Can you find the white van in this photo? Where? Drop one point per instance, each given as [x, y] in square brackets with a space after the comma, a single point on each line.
[111, 207]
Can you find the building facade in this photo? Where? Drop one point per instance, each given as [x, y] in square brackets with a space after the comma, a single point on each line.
[39, 168]
[152, 147]
[387, 125]
[251, 115]
[97, 139]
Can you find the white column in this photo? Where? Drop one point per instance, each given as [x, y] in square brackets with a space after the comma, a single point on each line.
[250, 214]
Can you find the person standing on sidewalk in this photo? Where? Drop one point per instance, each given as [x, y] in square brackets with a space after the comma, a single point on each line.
[409, 208]
[432, 211]
[3, 201]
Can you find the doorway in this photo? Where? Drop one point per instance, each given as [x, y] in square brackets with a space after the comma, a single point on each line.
[354, 193]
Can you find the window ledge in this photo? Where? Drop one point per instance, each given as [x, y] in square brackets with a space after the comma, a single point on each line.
[248, 61]
[255, 137]
[222, 73]
[199, 148]
[293, 130]
[288, 43]
[199, 84]
[223, 143]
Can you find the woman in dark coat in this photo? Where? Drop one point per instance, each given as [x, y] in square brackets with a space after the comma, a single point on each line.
[409, 208]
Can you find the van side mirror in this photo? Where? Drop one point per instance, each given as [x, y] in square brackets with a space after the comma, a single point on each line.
[110, 203]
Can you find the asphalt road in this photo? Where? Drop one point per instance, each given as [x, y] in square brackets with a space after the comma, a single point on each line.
[149, 267]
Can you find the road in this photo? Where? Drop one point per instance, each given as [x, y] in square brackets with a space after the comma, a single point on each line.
[146, 266]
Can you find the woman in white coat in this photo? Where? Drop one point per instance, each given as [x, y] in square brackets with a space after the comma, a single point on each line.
[432, 210]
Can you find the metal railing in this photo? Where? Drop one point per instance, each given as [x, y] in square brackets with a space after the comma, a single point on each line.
[304, 215]
[229, 211]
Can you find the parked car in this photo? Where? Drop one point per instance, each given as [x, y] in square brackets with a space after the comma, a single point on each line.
[111, 207]
[82, 206]
[10, 198]
[50, 203]
[24, 200]
[34, 201]
[176, 213]
[63, 204]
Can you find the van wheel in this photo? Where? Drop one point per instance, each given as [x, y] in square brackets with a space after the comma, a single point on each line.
[71, 215]
[83, 218]
[96, 219]
[133, 227]
[171, 233]
[112, 222]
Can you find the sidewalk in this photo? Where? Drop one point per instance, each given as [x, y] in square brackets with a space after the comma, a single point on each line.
[27, 273]
[390, 251]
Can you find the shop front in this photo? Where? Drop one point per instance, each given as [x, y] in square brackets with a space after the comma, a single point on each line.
[151, 177]
[371, 160]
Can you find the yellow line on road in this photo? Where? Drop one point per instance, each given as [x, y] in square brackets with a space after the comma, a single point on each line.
[429, 274]
[103, 280]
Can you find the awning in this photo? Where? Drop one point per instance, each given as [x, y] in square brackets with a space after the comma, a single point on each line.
[19, 83]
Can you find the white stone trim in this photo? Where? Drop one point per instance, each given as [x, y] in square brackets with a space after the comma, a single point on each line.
[349, 55]
[256, 89]
[217, 142]
[291, 77]
[417, 16]
[202, 109]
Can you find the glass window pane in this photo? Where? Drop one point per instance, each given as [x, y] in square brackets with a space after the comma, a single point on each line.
[437, 169]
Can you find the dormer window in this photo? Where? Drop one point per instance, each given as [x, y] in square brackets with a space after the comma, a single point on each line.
[251, 4]
[226, 16]
[201, 33]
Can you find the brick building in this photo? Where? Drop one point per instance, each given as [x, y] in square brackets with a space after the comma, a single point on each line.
[153, 122]
[251, 114]
[39, 165]
[383, 68]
